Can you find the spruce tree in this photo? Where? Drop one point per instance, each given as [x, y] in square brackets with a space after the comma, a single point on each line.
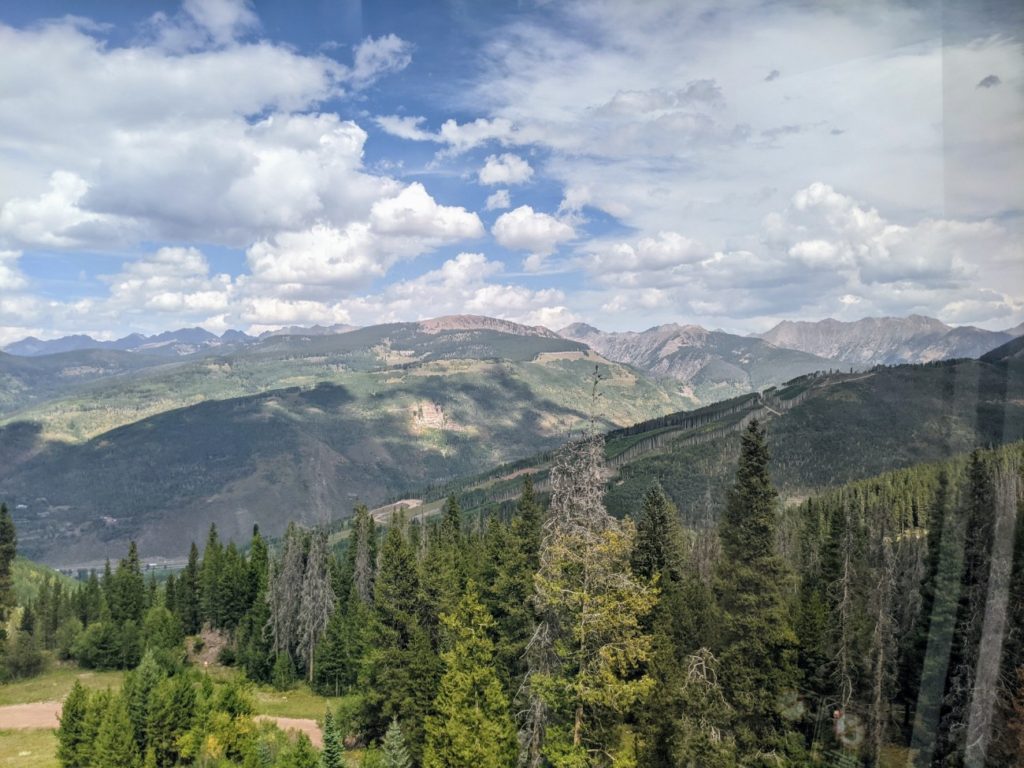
[333, 755]
[128, 589]
[401, 671]
[71, 735]
[585, 671]
[8, 549]
[658, 554]
[169, 717]
[471, 726]
[115, 743]
[512, 557]
[757, 645]
[188, 597]
[210, 596]
[395, 752]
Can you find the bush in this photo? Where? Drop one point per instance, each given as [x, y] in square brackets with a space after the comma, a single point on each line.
[23, 659]
[67, 635]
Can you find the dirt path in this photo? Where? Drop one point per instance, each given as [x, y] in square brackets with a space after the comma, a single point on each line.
[45, 714]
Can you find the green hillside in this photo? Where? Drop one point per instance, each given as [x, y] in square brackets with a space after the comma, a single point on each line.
[345, 429]
[823, 430]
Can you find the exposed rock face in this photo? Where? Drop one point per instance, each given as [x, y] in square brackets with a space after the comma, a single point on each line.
[885, 340]
[482, 323]
[714, 363]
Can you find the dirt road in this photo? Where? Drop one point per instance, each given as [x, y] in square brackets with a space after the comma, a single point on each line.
[46, 714]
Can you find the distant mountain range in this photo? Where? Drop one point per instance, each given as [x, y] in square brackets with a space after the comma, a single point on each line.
[713, 364]
[887, 340]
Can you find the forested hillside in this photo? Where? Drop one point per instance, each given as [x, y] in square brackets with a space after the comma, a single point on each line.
[878, 623]
[364, 415]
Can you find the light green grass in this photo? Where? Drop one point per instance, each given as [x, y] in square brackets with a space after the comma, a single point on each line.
[28, 749]
[298, 702]
[55, 684]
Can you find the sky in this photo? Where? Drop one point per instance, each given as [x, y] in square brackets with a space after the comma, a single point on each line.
[250, 165]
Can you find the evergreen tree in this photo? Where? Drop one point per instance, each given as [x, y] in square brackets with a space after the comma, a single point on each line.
[255, 649]
[210, 595]
[471, 726]
[443, 571]
[333, 755]
[659, 555]
[395, 753]
[128, 589]
[512, 557]
[138, 687]
[8, 549]
[586, 664]
[170, 715]
[115, 743]
[188, 594]
[401, 670]
[71, 735]
[757, 644]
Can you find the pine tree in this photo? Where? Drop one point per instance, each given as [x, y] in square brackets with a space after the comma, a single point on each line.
[138, 687]
[395, 753]
[333, 755]
[189, 594]
[128, 589]
[171, 709]
[210, 596]
[443, 570]
[512, 557]
[362, 555]
[589, 648]
[757, 653]
[471, 726]
[658, 554]
[71, 735]
[8, 549]
[401, 671]
[115, 744]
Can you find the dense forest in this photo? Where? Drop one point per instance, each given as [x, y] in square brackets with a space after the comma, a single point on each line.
[879, 623]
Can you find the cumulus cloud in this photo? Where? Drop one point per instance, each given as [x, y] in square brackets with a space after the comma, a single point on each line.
[505, 169]
[498, 201]
[220, 145]
[524, 229]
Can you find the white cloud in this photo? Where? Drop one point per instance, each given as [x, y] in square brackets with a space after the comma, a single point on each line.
[11, 278]
[524, 229]
[404, 127]
[376, 57]
[219, 145]
[415, 213]
[506, 169]
[225, 20]
[498, 201]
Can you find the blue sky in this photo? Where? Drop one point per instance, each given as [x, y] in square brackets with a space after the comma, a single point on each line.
[249, 165]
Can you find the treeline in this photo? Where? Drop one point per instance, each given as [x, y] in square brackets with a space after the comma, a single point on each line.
[884, 617]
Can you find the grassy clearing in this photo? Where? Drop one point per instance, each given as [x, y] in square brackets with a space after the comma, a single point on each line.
[55, 684]
[28, 749]
[298, 702]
